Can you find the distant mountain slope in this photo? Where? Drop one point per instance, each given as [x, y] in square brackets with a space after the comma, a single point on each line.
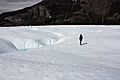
[65, 12]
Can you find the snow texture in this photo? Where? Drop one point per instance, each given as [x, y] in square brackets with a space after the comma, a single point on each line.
[97, 59]
[6, 46]
[27, 38]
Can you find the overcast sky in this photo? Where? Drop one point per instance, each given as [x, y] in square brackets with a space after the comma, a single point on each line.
[11, 5]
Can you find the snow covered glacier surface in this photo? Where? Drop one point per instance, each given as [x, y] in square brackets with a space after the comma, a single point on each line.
[59, 55]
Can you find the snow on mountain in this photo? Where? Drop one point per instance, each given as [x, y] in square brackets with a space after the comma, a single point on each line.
[11, 5]
[97, 59]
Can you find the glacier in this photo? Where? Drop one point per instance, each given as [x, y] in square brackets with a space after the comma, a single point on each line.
[53, 53]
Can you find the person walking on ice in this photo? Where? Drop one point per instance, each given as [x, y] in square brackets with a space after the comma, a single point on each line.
[80, 38]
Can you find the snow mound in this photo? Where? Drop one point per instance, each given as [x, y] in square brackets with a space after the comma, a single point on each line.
[25, 38]
[6, 46]
[26, 43]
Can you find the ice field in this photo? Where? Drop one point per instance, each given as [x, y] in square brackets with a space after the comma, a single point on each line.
[54, 53]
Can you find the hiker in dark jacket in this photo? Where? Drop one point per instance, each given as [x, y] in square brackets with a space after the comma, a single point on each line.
[80, 38]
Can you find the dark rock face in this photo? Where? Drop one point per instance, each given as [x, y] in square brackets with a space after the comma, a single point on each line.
[65, 12]
[114, 15]
[36, 14]
[96, 9]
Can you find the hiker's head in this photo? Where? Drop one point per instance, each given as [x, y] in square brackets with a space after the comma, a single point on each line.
[80, 34]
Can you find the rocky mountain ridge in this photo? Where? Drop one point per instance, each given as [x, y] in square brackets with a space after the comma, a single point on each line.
[64, 12]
